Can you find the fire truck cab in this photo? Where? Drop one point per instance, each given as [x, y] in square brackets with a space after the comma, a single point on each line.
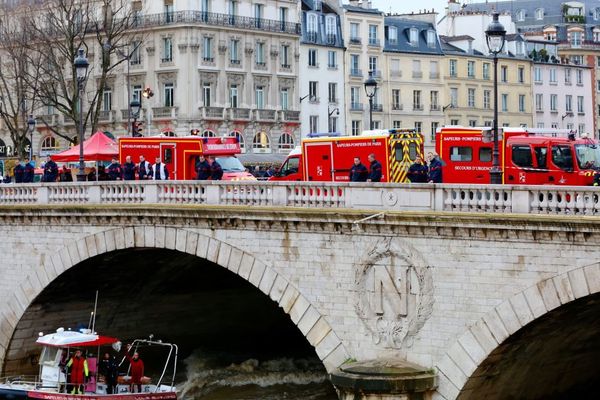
[325, 158]
[180, 154]
[526, 156]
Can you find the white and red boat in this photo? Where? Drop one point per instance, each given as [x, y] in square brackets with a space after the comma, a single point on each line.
[51, 384]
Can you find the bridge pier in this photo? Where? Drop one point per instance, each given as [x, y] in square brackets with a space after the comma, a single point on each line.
[384, 379]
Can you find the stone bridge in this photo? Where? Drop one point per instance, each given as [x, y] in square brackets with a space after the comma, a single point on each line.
[492, 292]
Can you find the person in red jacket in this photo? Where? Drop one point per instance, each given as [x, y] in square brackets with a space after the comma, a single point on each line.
[137, 370]
[79, 370]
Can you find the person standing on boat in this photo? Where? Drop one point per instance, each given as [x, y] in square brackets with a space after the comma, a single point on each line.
[110, 370]
[79, 371]
[137, 370]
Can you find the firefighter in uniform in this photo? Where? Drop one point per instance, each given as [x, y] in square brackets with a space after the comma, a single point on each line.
[202, 169]
[375, 173]
[115, 171]
[216, 172]
[358, 172]
[418, 171]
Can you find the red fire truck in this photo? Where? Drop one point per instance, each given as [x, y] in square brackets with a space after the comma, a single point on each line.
[527, 156]
[324, 158]
[180, 154]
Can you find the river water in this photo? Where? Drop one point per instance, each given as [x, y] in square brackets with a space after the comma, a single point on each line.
[215, 377]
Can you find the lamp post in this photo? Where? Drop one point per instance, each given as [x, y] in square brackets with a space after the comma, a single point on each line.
[495, 35]
[135, 107]
[81, 65]
[30, 129]
[371, 91]
[148, 94]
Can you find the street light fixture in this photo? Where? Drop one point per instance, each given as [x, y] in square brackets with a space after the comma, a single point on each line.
[371, 91]
[30, 129]
[81, 65]
[495, 35]
[148, 94]
[135, 107]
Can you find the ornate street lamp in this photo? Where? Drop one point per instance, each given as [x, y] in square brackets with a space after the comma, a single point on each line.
[81, 65]
[495, 35]
[135, 107]
[371, 91]
[30, 129]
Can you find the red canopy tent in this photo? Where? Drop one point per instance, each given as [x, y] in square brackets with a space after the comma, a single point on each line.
[98, 147]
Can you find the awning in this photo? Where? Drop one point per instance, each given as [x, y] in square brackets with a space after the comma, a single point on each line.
[62, 338]
[98, 147]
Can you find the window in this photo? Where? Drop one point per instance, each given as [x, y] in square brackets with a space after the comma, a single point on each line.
[284, 98]
[207, 133]
[373, 66]
[569, 103]
[333, 93]
[580, 104]
[581, 128]
[454, 122]
[486, 71]
[504, 73]
[285, 56]
[454, 97]
[331, 59]
[373, 35]
[431, 40]
[472, 123]
[332, 124]
[169, 94]
[434, 100]
[434, 128]
[562, 157]
[396, 101]
[487, 94]
[286, 141]
[416, 67]
[567, 76]
[233, 96]
[312, 58]
[136, 93]
[354, 32]
[260, 53]
[354, 65]
[396, 124]
[167, 50]
[452, 68]
[553, 75]
[553, 102]
[417, 100]
[521, 156]
[575, 38]
[314, 123]
[169, 12]
[355, 128]
[206, 94]
[539, 102]
[485, 154]
[260, 97]
[579, 75]
[471, 97]
[393, 35]
[414, 36]
[461, 153]
[331, 29]
[539, 14]
[234, 51]
[258, 15]
[261, 141]
[207, 50]
[504, 102]
[283, 17]
[311, 26]
[395, 67]
[419, 127]
[433, 70]
[537, 74]
[49, 145]
[355, 98]
[471, 69]
[136, 54]
[313, 91]
[521, 74]
[107, 99]
[521, 15]
[521, 103]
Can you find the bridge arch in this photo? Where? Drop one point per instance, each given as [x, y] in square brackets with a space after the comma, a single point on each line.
[471, 359]
[314, 326]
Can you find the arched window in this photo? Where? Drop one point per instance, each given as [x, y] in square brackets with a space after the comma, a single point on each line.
[286, 141]
[240, 139]
[312, 23]
[330, 25]
[169, 133]
[208, 133]
[261, 142]
[521, 15]
[539, 14]
[49, 145]
[414, 36]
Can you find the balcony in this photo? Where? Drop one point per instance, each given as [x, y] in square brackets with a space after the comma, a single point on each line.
[356, 107]
[355, 41]
[212, 113]
[417, 74]
[396, 74]
[311, 36]
[435, 107]
[356, 73]
[434, 75]
[313, 100]
[265, 115]
[331, 38]
[289, 116]
[164, 112]
[208, 59]
[417, 107]
[106, 116]
[374, 42]
[166, 60]
[261, 65]
[239, 114]
[376, 73]
[377, 108]
[397, 107]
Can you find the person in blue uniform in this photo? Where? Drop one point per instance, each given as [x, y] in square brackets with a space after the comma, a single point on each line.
[216, 172]
[29, 171]
[418, 171]
[435, 168]
[375, 169]
[18, 171]
[115, 171]
[129, 169]
[50, 170]
[202, 169]
[358, 172]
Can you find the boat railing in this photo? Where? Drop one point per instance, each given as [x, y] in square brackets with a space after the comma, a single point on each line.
[20, 380]
[171, 357]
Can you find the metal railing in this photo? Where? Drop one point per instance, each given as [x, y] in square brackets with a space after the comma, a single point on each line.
[497, 199]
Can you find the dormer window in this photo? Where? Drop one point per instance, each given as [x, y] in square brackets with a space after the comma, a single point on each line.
[521, 15]
[596, 34]
[331, 28]
[414, 36]
[550, 33]
[596, 14]
[539, 14]
[393, 35]
[311, 23]
[431, 40]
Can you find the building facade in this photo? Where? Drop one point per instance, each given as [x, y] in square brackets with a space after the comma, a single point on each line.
[223, 68]
[321, 76]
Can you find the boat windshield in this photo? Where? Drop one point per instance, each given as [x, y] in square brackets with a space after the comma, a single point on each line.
[48, 356]
[588, 155]
[230, 164]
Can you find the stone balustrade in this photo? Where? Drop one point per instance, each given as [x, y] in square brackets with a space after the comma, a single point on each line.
[364, 196]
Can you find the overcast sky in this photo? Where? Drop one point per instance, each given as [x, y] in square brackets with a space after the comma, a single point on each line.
[405, 6]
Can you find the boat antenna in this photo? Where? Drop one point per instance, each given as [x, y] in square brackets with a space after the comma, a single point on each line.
[94, 313]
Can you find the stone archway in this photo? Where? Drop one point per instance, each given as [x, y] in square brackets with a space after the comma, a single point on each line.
[303, 314]
[473, 347]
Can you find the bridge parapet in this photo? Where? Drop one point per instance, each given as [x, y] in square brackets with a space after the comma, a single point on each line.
[554, 200]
